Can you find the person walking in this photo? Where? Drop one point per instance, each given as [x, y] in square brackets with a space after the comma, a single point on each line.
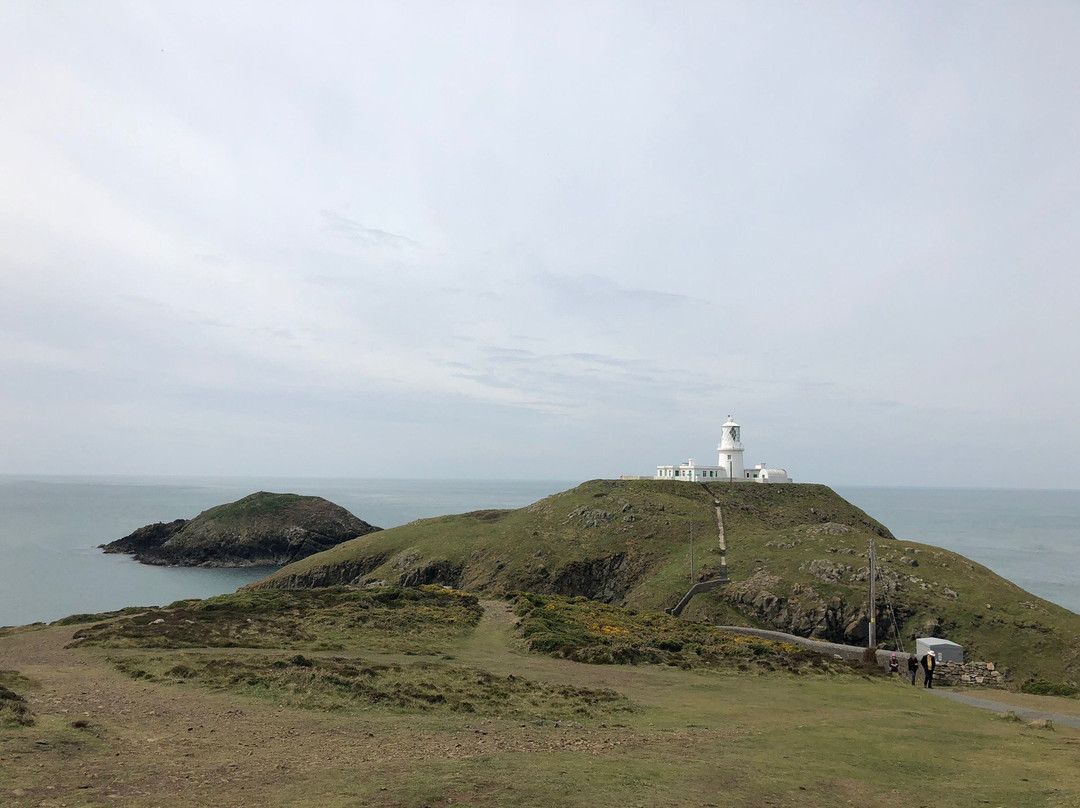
[928, 662]
[913, 667]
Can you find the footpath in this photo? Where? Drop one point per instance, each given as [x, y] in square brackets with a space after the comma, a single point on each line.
[855, 652]
[1002, 707]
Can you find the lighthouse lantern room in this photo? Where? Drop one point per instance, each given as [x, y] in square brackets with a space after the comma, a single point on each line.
[731, 450]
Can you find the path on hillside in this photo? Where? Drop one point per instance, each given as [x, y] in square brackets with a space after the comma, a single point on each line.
[1001, 707]
[856, 652]
[722, 576]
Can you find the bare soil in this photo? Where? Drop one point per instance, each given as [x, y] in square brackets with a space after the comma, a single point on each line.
[696, 738]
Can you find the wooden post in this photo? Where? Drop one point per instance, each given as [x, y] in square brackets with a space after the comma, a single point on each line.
[873, 600]
[691, 554]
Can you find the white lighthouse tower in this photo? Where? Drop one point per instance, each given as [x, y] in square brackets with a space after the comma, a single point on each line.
[731, 450]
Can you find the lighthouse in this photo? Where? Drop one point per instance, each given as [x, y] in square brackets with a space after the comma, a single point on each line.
[729, 467]
[731, 450]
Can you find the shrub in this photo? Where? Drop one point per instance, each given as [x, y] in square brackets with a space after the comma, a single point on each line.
[589, 631]
[1040, 687]
[13, 709]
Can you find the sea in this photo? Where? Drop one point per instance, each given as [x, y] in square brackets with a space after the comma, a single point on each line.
[50, 529]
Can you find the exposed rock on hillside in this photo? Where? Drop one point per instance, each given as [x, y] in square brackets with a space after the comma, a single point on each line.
[797, 557]
[260, 529]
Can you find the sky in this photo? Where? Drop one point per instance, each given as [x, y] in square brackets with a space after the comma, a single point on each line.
[551, 240]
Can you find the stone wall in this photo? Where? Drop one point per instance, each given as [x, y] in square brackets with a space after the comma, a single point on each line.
[969, 674]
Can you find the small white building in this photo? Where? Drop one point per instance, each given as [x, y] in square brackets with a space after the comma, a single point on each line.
[944, 650]
[729, 467]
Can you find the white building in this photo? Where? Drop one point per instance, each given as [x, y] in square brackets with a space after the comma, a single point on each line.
[729, 467]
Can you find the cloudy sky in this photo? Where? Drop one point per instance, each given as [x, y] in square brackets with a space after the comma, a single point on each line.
[541, 239]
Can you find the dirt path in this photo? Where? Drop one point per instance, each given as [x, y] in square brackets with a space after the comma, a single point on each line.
[146, 744]
[999, 707]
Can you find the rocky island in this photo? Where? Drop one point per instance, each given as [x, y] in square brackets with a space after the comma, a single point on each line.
[259, 530]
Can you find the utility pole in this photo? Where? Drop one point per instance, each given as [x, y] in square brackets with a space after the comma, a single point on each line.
[873, 600]
[691, 554]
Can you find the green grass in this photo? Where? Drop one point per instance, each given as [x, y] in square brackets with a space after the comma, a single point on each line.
[77, 619]
[797, 557]
[1038, 687]
[756, 741]
[253, 506]
[351, 683]
[422, 620]
[14, 711]
[499, 724]
[587, 631]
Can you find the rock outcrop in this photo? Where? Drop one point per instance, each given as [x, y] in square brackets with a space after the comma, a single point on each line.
[261, 529]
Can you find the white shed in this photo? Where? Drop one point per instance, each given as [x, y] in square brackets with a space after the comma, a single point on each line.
[944, 650]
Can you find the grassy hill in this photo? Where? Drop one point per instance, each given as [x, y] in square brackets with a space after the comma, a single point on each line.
[418, 696]
[797, 557]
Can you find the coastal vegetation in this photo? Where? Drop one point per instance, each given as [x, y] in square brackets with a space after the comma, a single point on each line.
[14, 711]
[354, 684]
[437, 698]
[797, 558]
[425, 619]
[588, 631]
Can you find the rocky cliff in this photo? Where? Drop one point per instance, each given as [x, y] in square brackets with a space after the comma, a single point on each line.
[260, 529]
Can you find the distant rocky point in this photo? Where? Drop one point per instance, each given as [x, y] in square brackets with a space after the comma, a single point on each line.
[260, 529]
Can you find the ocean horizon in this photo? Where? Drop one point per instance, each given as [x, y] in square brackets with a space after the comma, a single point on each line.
[51, 527]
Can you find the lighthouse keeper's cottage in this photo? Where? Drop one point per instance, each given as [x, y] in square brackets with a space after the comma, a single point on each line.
[729, 467]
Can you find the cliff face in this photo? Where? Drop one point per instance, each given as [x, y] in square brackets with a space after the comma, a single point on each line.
[260, 529]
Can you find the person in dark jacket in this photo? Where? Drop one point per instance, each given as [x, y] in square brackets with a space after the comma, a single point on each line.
[894, 664]
[928, 663]
[913, 667]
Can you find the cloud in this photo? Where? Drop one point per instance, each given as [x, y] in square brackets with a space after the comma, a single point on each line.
[590, 289]
[338, 225]
[572, 232]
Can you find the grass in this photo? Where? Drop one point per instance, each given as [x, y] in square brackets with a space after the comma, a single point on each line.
[587, 631]
[499, 724]
[350, 683]
[77, 619]
[423, 620]
[797, 559]
[252, 506]
[14, 711]
[1038, 687]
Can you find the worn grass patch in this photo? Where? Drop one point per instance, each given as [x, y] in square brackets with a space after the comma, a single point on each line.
[424, 620]
[14, 711]
[76, 619]
[341, 683]
[587, 631]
